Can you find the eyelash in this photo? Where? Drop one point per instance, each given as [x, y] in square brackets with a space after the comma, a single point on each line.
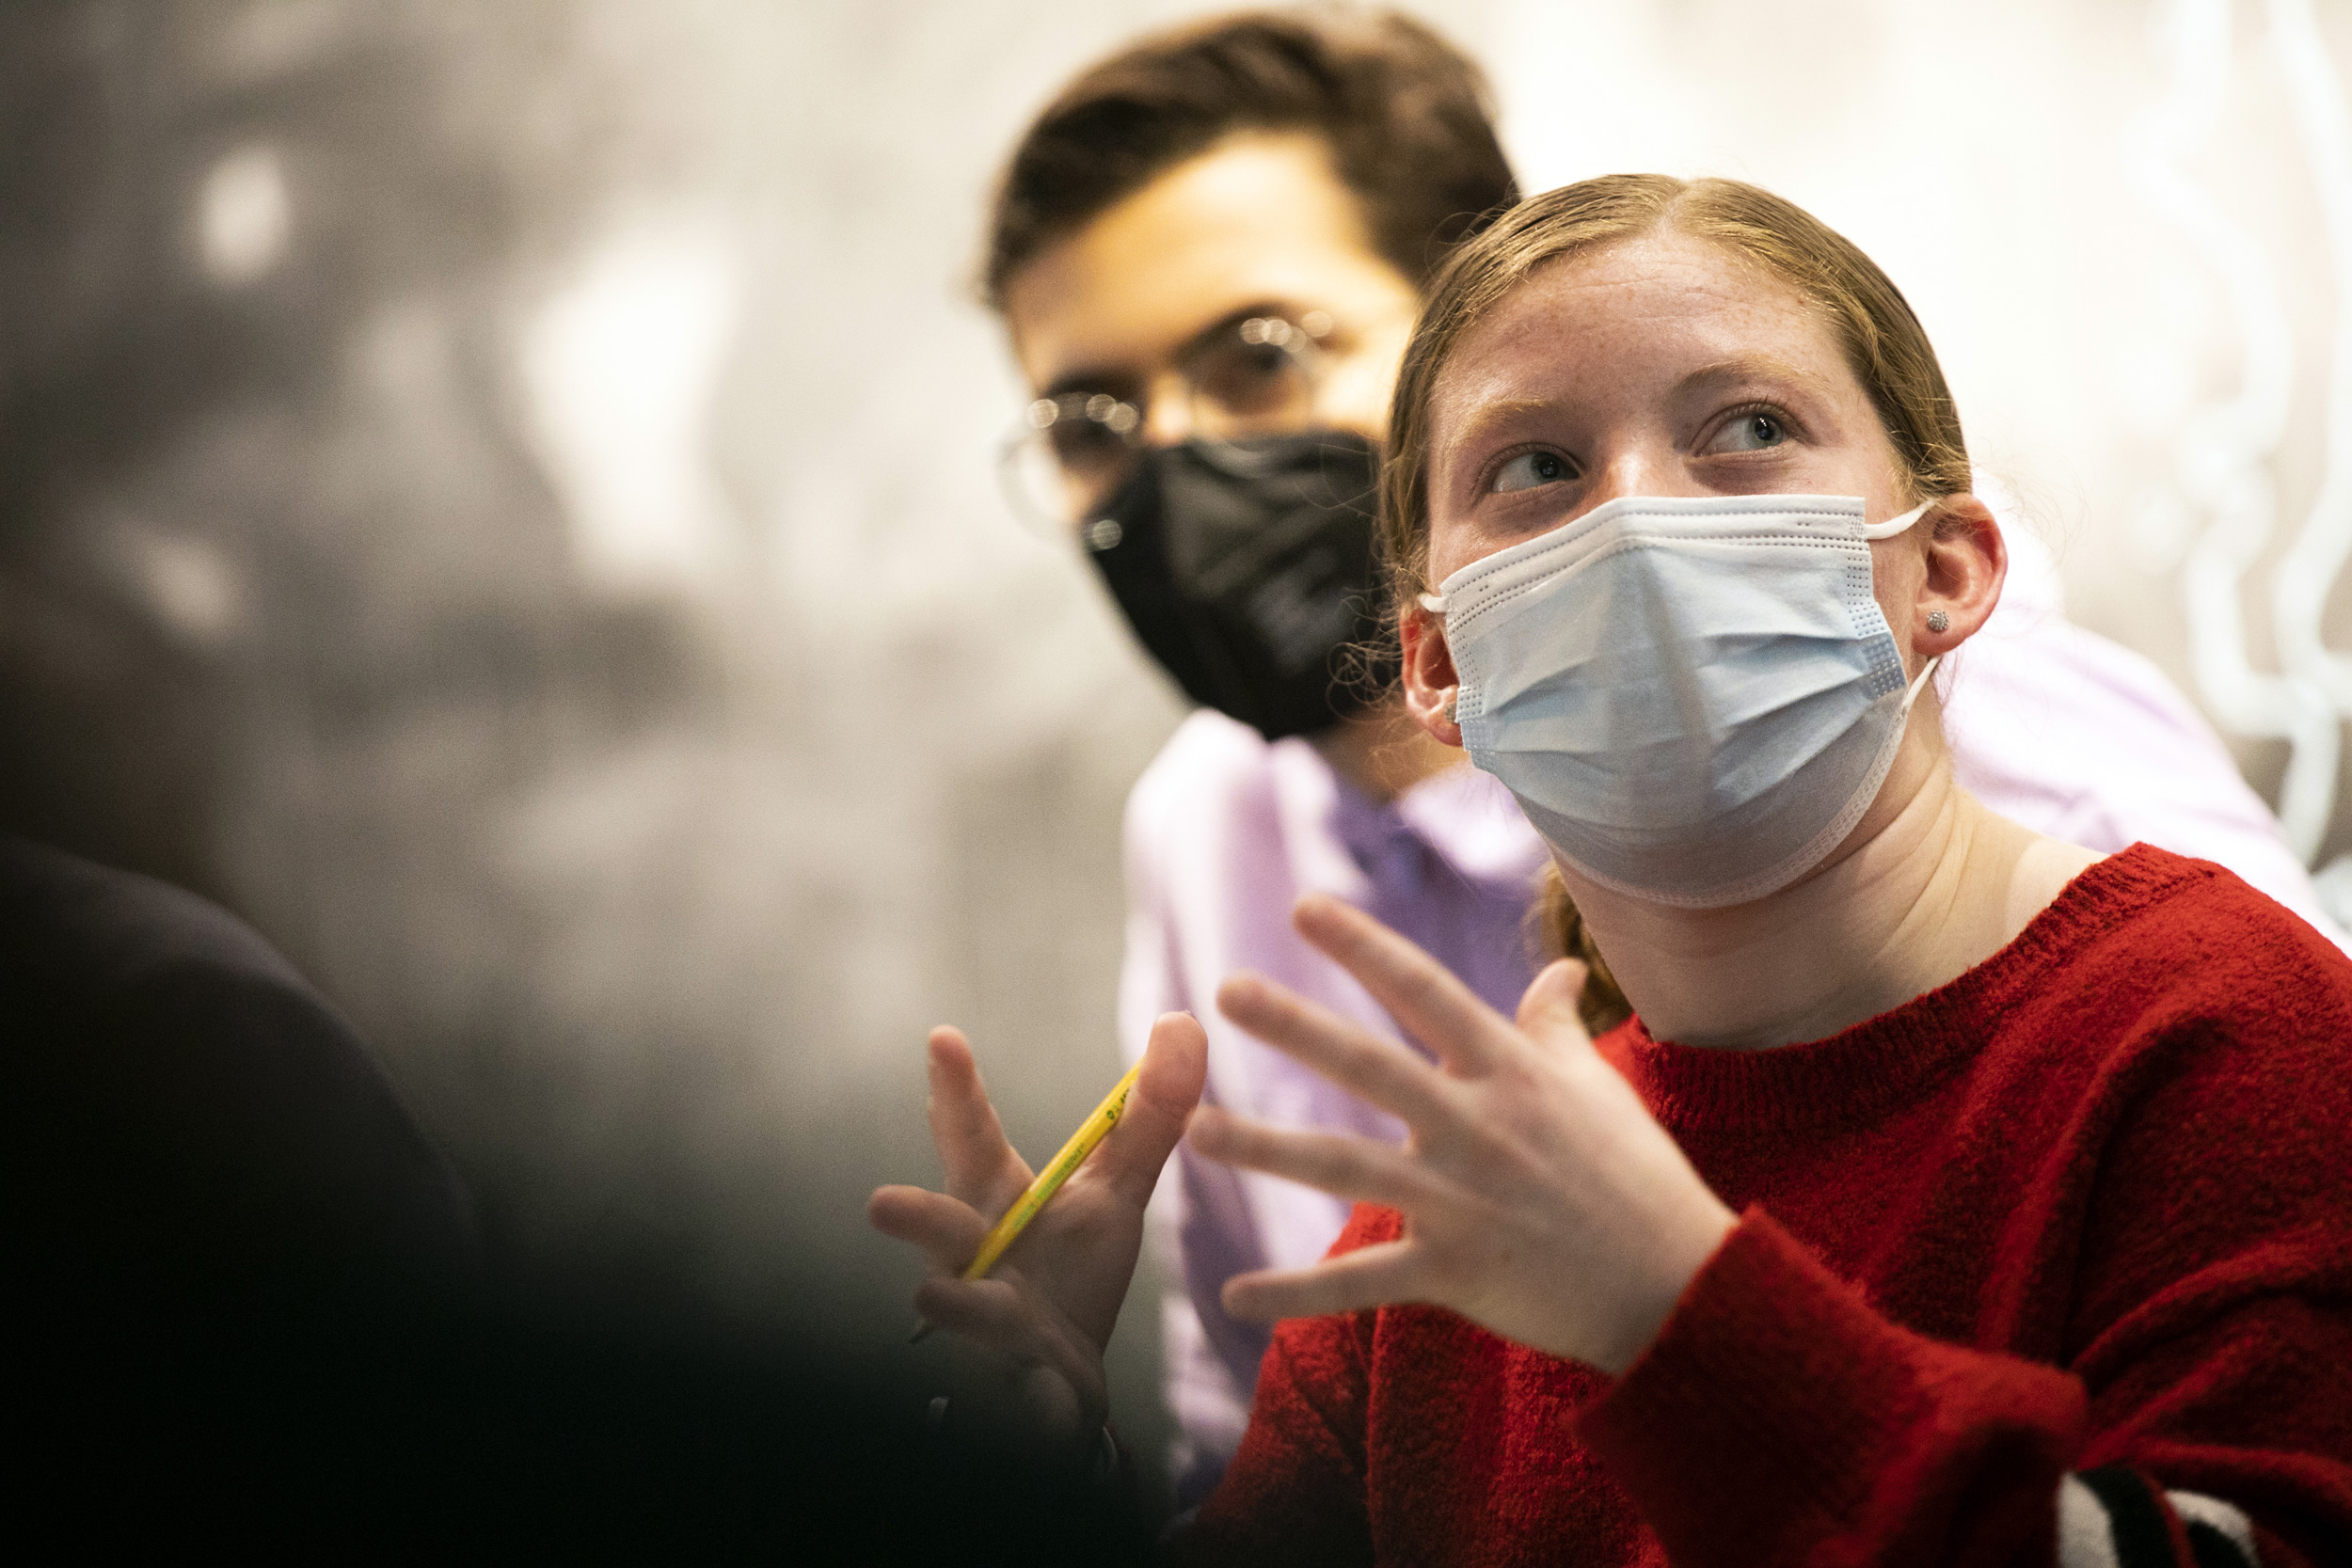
[1495, 464]
[1790, 429]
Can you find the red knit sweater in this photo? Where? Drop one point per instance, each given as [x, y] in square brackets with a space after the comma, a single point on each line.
[2053, 1261]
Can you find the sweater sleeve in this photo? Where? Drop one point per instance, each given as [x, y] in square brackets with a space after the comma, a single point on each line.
[1296, 1490]
[1779, 1418]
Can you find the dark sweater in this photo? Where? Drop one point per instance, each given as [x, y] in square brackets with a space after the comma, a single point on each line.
[2064, 1245]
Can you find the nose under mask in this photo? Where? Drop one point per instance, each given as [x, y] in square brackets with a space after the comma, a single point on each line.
[1249, 570]
[1693, 698]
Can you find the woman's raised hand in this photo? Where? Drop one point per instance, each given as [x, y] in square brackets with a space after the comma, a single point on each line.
[1049, 1306]
[1541, 1199]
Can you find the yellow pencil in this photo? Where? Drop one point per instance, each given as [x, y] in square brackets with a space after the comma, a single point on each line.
[1040, 1191]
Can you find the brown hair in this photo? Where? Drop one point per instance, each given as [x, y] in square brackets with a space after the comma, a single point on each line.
[1883, 343]
[1557, 931]
[1404, 113]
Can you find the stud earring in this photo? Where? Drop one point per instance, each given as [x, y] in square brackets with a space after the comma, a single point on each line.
[1938, 621]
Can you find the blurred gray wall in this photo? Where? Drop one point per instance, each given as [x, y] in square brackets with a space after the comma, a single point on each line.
[503, 495]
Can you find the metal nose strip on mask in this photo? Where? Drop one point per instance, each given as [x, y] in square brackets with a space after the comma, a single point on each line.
[1435, 603]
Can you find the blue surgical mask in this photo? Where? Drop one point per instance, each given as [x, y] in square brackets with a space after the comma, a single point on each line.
[1693, 698]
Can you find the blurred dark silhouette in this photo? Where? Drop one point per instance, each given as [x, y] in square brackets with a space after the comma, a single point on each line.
[245, 1307]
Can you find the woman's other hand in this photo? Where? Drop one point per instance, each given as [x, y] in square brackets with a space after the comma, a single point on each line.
[1049, 1306]
[1541, 1198]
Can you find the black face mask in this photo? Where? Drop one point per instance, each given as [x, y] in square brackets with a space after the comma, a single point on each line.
[1248, 569]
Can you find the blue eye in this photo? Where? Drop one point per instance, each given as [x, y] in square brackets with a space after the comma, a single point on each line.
[1750, 433]
[1530, 470]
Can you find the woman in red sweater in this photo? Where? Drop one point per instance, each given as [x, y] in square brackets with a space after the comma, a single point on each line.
[1957, 1196]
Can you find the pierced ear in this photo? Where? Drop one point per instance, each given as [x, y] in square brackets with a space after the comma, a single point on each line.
[1430, 682]
[1968, 562]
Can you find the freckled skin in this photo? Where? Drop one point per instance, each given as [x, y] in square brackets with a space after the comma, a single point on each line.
[1644, 315]
[1639, 370]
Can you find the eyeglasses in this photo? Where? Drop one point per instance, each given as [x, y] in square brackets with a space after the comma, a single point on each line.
[1071, 454]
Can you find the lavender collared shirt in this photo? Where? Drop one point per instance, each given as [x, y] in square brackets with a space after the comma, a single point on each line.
[2050, 725]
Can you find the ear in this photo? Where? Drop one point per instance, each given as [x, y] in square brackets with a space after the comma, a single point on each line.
[1430, 683]
[1966, 561]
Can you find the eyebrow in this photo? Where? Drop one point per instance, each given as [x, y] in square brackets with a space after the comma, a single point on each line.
[1494, 413]
[1124, 383]
[1497, 412]
[1754, 367]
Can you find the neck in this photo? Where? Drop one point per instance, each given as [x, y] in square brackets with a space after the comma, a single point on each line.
[1929, 885]
[1381, 751]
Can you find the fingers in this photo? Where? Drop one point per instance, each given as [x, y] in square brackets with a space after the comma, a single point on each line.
[983, 1169]
[1175, 1065]
[1547, 1012]
[1370, 1276]
[1009, 1317]
[994, 1311]
[1350, 1167]
[1382, 1072]
[1439, 1011]
[947, 1230]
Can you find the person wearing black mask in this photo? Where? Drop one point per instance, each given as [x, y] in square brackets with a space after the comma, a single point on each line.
[1208, 253]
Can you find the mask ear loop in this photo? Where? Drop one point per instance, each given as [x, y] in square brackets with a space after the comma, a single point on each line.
[1434, 605]
[1893, 526]
[1911, 693]
[1887, 530]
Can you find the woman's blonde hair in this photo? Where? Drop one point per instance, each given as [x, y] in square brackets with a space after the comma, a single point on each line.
[1883, 340]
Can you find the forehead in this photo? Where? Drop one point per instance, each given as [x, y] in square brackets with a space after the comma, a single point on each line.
[1260, 219]
[1636, 315]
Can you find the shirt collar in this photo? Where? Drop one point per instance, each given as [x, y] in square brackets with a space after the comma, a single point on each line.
[1339, 839]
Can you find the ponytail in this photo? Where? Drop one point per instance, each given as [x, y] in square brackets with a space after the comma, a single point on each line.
[1560, 931]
